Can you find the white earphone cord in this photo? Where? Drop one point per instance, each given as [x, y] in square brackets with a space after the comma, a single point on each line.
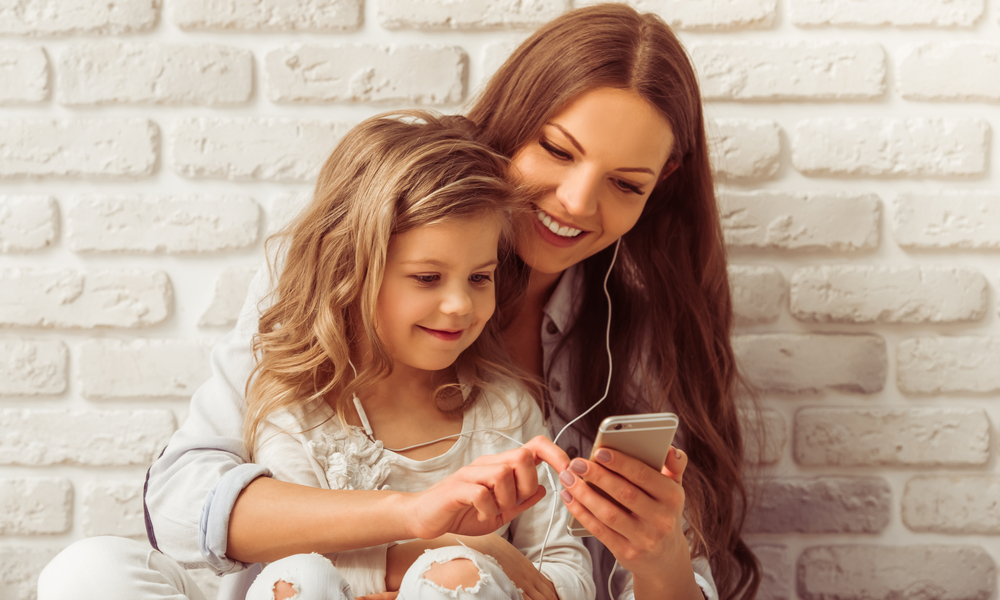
[548, 470]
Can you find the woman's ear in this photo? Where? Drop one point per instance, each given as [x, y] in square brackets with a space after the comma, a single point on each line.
[669, 168]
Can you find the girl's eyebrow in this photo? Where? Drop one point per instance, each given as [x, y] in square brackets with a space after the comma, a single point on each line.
[583, 152]
[437, 263]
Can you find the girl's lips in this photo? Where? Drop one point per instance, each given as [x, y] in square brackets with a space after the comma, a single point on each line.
[448, 336]
[556, 240]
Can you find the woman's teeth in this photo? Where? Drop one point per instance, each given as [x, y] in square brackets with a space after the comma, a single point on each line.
[555, 228]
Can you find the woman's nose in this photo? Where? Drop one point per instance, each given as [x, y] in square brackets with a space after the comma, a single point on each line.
[578, 193]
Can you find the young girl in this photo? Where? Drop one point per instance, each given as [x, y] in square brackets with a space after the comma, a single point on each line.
[392, 270]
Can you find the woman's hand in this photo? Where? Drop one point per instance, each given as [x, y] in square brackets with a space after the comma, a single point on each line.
[650, 541]
[477, 499]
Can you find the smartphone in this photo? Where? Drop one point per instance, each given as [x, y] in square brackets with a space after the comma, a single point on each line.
[644, 437]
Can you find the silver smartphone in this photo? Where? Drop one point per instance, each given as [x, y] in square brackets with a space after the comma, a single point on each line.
[644, 437]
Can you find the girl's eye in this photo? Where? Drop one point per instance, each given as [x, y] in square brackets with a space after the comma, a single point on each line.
[554, 150]
[627, 187]
[480, 278]
[426, 279]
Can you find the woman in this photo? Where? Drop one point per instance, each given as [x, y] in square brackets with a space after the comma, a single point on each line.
[600, 109]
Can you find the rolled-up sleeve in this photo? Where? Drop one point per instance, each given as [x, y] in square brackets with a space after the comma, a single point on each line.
[191, 489]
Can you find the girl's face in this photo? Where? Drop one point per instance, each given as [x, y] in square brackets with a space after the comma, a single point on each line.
[438, 291]
[596, 160]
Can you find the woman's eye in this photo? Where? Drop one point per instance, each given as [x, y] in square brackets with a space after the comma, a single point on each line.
[554, 151]
[628, 187]
[426, 279]
[480, 278]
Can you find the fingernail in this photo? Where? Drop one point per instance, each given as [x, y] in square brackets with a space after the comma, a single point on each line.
[578, 466]
[677, 453]
[602, 456]
[566, 496]
[567, 478]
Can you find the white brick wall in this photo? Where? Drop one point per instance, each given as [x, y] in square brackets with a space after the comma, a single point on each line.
[148, 147]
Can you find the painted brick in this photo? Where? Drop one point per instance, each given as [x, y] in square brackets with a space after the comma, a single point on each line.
[100, 148]
[284, 208]
[960, 504]
[227, 300]
[468, 14]
[268, 15]
[935, 13]
[822, 505]
[778, 571]
[19, 569]
[870, 572]
[169, 224]
[758, 293]
[263, 149]
[24, 74]
[75, 299]
[890, 147]
[142, 369]
[877, 294]
[411, 74]
[495, 54]
[32, 367]
[65, 17]
[969, 219]
[40, 437]
[776, 220]
[716, 15]
[928, 437]
[803, 363]
[113, 508]
[27, 222]
[35, 506]
[745, 148]
[790, 70]
[945, 365]
[951, 71]
[764, 436]
[107, 72]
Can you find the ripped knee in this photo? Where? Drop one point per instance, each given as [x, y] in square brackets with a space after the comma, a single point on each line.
[284, 590]
[453, 574]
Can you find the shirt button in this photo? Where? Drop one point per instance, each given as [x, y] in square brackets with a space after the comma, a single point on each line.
[551, 328]
[572, 452]
[555, 385]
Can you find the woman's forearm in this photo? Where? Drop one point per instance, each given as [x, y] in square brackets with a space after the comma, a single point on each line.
[273, 519]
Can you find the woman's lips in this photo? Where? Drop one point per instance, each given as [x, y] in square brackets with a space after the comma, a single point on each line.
[441, 334]
[556, 240]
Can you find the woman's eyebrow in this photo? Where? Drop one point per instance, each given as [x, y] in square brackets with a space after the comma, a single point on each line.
[583, 152]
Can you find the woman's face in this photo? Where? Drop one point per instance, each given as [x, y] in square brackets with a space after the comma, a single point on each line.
[596, 161]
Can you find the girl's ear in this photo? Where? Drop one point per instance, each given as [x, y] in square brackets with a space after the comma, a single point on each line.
[669, 168]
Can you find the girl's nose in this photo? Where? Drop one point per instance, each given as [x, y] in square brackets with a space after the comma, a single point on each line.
[456, 301]
[578, 193]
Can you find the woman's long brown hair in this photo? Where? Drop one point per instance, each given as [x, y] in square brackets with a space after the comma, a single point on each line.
[671, 276]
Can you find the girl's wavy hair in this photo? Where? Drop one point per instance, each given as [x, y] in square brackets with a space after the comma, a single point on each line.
[670, 287]
[390, 174]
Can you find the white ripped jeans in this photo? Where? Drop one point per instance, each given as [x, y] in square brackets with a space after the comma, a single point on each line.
[110, 568]
[313, 577]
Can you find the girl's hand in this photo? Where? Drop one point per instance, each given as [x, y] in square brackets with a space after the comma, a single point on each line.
[477, 499]
[650, 541]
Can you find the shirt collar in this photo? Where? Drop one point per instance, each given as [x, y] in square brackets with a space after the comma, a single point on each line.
[562, 306]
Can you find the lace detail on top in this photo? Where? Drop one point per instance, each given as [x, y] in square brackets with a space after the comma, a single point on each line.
[351, 461]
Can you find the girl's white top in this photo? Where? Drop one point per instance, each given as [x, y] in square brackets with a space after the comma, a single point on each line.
[309, 446]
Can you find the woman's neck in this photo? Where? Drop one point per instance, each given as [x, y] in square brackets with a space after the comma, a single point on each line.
[540, 289]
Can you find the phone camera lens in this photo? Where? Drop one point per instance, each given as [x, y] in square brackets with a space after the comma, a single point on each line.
[619, 426]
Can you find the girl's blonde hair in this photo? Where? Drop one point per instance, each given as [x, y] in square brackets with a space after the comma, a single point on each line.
[390, 174]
